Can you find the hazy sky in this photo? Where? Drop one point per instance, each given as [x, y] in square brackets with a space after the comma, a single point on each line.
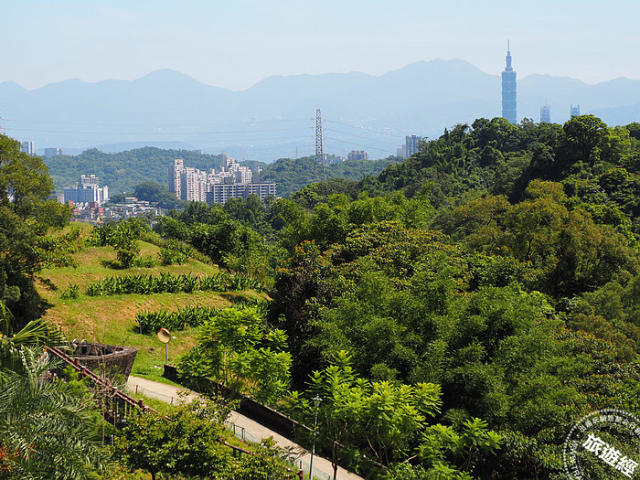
[236, 43]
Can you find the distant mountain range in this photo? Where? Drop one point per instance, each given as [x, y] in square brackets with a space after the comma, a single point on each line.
[275, 117]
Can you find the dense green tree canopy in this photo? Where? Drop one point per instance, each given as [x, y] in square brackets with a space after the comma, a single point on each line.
[493, 276]
[26, 213]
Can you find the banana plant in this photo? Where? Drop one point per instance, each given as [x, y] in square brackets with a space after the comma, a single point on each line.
[35, 333]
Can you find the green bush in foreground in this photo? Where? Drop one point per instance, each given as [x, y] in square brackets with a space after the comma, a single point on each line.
[175, 252]
[190, 445]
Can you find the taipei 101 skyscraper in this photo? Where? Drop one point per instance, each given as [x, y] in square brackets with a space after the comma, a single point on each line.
[509, 90]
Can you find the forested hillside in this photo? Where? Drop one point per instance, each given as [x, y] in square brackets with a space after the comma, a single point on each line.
[292, 175]
[492, 277]
[124, 170]
[456, 314]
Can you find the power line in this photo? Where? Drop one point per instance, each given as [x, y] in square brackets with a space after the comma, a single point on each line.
[107, 124]
[360, 127]
[149, 132]
[350, 135]
[369, 147]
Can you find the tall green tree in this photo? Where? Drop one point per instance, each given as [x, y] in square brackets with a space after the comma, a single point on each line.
[372, 425]
[25, 213]
[238, 349]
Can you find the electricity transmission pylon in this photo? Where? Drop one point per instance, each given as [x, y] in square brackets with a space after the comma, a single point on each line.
[319, 152]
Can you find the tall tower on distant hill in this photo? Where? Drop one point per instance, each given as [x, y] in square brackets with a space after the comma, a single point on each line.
[545, 114]
[574, 111]
[509, 90]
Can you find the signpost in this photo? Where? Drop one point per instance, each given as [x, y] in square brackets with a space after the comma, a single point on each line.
[164, 336]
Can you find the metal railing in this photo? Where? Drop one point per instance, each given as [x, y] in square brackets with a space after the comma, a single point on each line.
[294, 460]
[117, 405]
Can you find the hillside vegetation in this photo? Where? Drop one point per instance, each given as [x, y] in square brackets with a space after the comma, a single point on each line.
[124, 170]
[292, 175]
[135, 171]
[457, 314]
[491, 276]
[112, 319]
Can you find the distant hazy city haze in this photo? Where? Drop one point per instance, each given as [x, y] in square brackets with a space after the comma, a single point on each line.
[236, 44]
[274, 118]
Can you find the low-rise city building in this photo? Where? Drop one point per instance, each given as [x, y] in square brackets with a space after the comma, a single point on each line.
[358, 155]
[52, 151]
[87, 190]
[95, 214]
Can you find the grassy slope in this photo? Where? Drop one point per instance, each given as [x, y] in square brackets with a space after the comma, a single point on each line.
[111, 319]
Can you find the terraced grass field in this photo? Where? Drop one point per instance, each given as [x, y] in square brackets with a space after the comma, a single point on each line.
[111, 319]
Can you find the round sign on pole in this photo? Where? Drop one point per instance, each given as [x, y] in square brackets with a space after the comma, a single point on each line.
[164, 335]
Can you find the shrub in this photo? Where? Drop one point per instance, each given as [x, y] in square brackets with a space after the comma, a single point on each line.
[166, 282]
[150, 322]
[145, 262]
[72, 291]
[174, 252]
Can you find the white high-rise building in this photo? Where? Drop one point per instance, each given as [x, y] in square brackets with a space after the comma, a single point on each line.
[175, 171]
[243, 175]
[412, 145]
[28, 147]
[193, 185]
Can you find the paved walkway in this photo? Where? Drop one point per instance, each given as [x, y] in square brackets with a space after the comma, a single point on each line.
[244, 426]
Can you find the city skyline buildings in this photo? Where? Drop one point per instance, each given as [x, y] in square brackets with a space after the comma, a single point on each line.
[52, 151]
[512, 100]
[412, 145]
[574, 111]
[28, 147]
[233, 181]
[358, 155]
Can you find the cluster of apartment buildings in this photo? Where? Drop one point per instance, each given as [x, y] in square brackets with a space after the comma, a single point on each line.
[87, 201]
[88, 190]
[233, 181]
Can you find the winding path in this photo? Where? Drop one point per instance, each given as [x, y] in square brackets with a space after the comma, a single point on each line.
[168, 393]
